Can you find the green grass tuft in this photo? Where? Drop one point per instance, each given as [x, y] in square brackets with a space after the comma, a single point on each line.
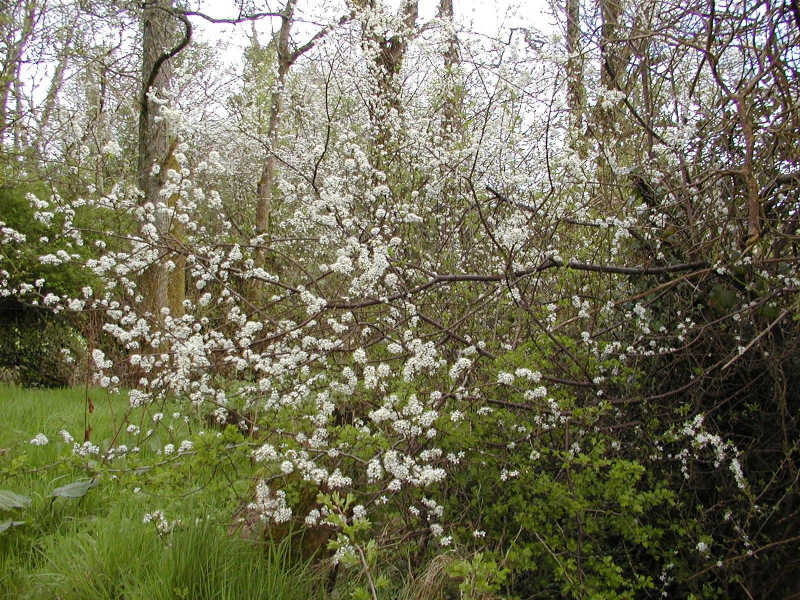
[125, 559]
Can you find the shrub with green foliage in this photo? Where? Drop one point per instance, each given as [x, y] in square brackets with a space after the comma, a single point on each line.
[29, 210]
[37, 347]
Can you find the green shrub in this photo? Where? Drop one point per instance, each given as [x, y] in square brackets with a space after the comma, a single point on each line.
[37, 347]
[19, 260]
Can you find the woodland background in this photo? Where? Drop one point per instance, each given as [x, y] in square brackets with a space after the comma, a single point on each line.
[476, 316]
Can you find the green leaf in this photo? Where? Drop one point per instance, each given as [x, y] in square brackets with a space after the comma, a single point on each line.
[9, 524]
[76, 489]
[9, 500]
[360, 593]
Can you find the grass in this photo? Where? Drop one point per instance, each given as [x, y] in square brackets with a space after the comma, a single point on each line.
[118, 558]
[97, 546]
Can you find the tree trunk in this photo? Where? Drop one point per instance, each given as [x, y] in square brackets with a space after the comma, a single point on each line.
[266, 182]
[610, 12]
[52, 92]
[20, 135]
[451, 121]
[646, 85]
[575, 89]
[15, 47]
[157, 29]
[387, 60]
[98, 132]
[605, 116]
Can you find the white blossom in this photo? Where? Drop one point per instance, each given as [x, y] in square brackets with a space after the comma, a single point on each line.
[39, 439]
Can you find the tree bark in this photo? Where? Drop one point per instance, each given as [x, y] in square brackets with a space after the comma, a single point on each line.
[158, 28]
[53, 90]
[286, 56]
[15, 47]
[575, 89]
[266, 182]
[387, 57]
[610, 12]
[605, 120]
[451, 122]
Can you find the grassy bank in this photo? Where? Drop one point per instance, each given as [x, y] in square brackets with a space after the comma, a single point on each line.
[90, 539]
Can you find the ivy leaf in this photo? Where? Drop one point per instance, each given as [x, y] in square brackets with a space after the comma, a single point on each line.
[9, 524]
[76, 489]
[9, 500]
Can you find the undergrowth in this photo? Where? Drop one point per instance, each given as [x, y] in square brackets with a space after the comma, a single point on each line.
[93, 542]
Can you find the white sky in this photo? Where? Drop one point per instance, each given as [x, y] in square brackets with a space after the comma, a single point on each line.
[480, 16]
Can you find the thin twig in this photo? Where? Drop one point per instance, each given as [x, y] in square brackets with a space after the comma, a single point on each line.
[755, 339]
